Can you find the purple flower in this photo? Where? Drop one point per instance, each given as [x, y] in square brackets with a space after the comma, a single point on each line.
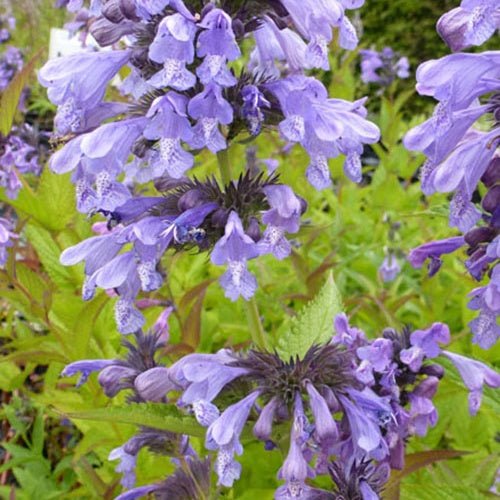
[422, 411]
[206, 413]
[276, 44]
[137, 492]
[295, 469]
[365, 434]
[351, 337]
[115, 377]
[126, 465]
[217, 44]
[6, 236]
[425, 345]
[486, 299]
[474, 374]
[170, 124]
[210, 109]
[324, 127]
[223, 434]
[433, 251]
[77, 83]
[389, 269]
[375, 357]
[235, 248]
[85, 368]
[326, 430]
[173, 46]
[382, 67]
[283, 217]
[253, 101]
[470, 24]
[202, 376]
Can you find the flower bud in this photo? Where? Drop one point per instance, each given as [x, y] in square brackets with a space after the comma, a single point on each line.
[219, 217]
[111, 11]
[479, 235]
[491, 200]
[112, 379]
[253, 229]
[492, 174]
[128, 9]
[191, 199]
[433, 370]
[153, 384]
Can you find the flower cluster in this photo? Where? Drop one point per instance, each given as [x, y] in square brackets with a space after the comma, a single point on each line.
[191, 215]
[460, 156]
[185, 95]
[383, 67]
[350, 405]
[19, 154]
[7, 24]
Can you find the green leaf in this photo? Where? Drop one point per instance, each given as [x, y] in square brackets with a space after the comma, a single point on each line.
[156, 415]
[314, 323]
[11, 95]
[48, 251]
[53, 206]
[414, 462]
[442, 492]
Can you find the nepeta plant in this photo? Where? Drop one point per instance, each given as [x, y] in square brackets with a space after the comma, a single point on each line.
[200, 77]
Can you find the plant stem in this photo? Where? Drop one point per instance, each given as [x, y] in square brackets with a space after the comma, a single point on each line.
[224, 166]
[253, 316]
[256, 330]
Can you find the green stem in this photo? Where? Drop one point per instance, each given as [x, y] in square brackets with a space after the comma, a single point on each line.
[224, 166]
[256, 329]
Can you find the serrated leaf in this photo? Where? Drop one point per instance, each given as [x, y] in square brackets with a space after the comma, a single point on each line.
[156, 415]
[442, 492]
[314, 323]
[52, 206]
[11, 95]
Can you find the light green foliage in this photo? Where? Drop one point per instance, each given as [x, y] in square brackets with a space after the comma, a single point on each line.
[313, 324]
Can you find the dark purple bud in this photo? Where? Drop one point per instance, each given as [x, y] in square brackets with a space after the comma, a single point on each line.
[166, 183]
[427, 388]
[128, 9]
[206, 9]
[107, 33]
[219, 217]
[238, 28]
[191, 199]
[253, 229]
[433, 371]
[303, 204]
[111, 11]
[492, 174]
[112, 379]
[480, 235]
[491, 200]
[433, 266]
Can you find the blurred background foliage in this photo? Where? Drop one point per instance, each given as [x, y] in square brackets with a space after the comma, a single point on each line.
[347, 229]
